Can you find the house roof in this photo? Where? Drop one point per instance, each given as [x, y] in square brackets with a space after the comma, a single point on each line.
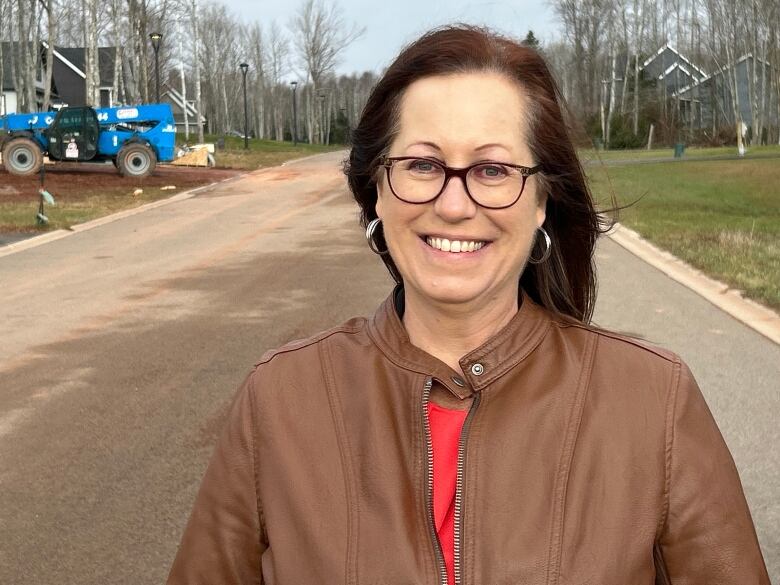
[71, 57]
[719, 71]
[175, 96]
[75, 58]
[692, 68]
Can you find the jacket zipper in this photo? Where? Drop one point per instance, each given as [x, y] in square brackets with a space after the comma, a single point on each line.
[429, 481]
[458, 529]
[458, 487]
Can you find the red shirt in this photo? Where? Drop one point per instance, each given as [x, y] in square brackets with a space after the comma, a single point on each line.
[445, 426]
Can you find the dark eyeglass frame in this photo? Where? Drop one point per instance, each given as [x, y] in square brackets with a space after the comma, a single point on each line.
[462, 172]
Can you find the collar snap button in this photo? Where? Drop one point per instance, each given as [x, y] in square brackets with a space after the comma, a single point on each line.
[458, 381]
[477, 369]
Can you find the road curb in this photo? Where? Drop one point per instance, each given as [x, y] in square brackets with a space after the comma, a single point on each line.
[36, 241]
[297, 160]
[749, 312]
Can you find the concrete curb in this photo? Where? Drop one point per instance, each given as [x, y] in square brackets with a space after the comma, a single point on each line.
[751, 313]
[297, 160]
[36, 241]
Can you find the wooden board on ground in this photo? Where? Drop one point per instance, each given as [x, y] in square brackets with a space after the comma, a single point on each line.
[196, 158]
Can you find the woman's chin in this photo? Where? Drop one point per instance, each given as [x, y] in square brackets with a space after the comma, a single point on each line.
[454, 291]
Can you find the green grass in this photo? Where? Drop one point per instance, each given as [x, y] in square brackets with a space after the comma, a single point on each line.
[261, 153]
[593, 156]
[722, 217]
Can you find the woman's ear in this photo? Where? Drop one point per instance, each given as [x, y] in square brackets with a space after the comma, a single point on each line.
[541, 207]
[379, 200]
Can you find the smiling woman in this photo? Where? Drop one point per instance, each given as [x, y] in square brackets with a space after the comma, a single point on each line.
[477, 429]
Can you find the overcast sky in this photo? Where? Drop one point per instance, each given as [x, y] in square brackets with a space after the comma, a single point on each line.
[390, 24]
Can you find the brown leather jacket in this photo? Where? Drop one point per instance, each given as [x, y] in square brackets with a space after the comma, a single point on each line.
[586, 458]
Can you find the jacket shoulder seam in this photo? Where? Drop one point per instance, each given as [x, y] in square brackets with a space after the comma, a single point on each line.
[297, 344]
[660, 352]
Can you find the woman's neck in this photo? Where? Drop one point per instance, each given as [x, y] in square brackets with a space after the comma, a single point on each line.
[450, 331]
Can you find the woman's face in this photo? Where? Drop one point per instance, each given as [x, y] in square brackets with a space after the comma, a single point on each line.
[461, 114]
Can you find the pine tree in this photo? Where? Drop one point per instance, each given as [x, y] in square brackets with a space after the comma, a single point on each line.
[531, 40]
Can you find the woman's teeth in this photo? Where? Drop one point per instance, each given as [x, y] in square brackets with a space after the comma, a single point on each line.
[446, 245]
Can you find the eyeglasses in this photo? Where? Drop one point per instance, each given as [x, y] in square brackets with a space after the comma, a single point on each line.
[494, 185]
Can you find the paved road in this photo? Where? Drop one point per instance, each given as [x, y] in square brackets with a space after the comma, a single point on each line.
[121, 346]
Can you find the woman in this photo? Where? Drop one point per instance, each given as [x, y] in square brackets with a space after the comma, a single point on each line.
[476, 430]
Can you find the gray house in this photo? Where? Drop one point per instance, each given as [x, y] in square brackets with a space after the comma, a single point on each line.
[711, 99]
[70, 77]
[705, 100]
[672, 69]
[173, 97]
[8, 94]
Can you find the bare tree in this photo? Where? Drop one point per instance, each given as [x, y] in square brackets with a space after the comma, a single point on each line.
[278, 53]
[321, 35]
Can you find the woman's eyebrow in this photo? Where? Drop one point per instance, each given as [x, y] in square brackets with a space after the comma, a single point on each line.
[478, 148]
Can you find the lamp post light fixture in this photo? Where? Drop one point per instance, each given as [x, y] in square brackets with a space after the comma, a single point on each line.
[156, 40]
[244, 68]
[294, 85]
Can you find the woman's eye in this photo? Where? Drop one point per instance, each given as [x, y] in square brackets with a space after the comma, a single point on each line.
[422, 165]
[492, 171]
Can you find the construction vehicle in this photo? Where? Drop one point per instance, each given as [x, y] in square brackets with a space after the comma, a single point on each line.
[135, 138]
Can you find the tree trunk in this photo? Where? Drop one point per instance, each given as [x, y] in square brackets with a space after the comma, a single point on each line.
[636, 94]
[51, 28]
[196, 61]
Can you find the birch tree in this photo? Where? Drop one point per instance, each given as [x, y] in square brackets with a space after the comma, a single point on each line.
[321, 35]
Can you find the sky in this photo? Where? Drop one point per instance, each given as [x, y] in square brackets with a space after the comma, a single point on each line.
[390, 24]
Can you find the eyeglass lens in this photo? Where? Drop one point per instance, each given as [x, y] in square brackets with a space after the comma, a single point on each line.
[490, 184]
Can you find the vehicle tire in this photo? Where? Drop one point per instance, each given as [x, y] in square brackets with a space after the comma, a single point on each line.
[22, 156]
[136, 160]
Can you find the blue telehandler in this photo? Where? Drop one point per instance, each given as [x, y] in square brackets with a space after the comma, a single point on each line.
[135, 138]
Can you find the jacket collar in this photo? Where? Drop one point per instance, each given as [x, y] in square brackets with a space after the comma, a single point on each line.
[499, 354]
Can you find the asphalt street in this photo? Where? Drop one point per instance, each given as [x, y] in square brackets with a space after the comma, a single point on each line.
[121, 346]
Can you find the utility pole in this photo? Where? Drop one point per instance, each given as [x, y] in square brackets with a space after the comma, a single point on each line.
[295, 113]
[244, 68]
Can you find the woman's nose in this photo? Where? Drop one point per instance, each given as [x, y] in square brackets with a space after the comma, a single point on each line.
[454, 203]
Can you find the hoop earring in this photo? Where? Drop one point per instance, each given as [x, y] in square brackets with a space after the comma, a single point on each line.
[370, 229]
[548, 248]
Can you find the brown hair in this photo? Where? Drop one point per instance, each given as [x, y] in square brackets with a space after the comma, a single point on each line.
[566, 282]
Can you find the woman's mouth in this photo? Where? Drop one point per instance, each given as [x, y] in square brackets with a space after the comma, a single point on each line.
[457, 246]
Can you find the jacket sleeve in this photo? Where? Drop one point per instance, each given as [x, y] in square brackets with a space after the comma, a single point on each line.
[708, 534]
[225, 538]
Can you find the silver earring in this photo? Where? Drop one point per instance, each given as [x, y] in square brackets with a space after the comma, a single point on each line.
[370, 229]
[548, 248]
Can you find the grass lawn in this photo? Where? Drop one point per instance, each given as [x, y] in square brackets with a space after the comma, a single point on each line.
[722, 217]
[593, 156]
[261, 153]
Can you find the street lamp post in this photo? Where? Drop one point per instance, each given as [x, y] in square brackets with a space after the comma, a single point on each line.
[295, 113]
[244, 68]
[156, 39]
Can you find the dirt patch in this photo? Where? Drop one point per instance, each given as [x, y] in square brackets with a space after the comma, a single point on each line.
[72, 182]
